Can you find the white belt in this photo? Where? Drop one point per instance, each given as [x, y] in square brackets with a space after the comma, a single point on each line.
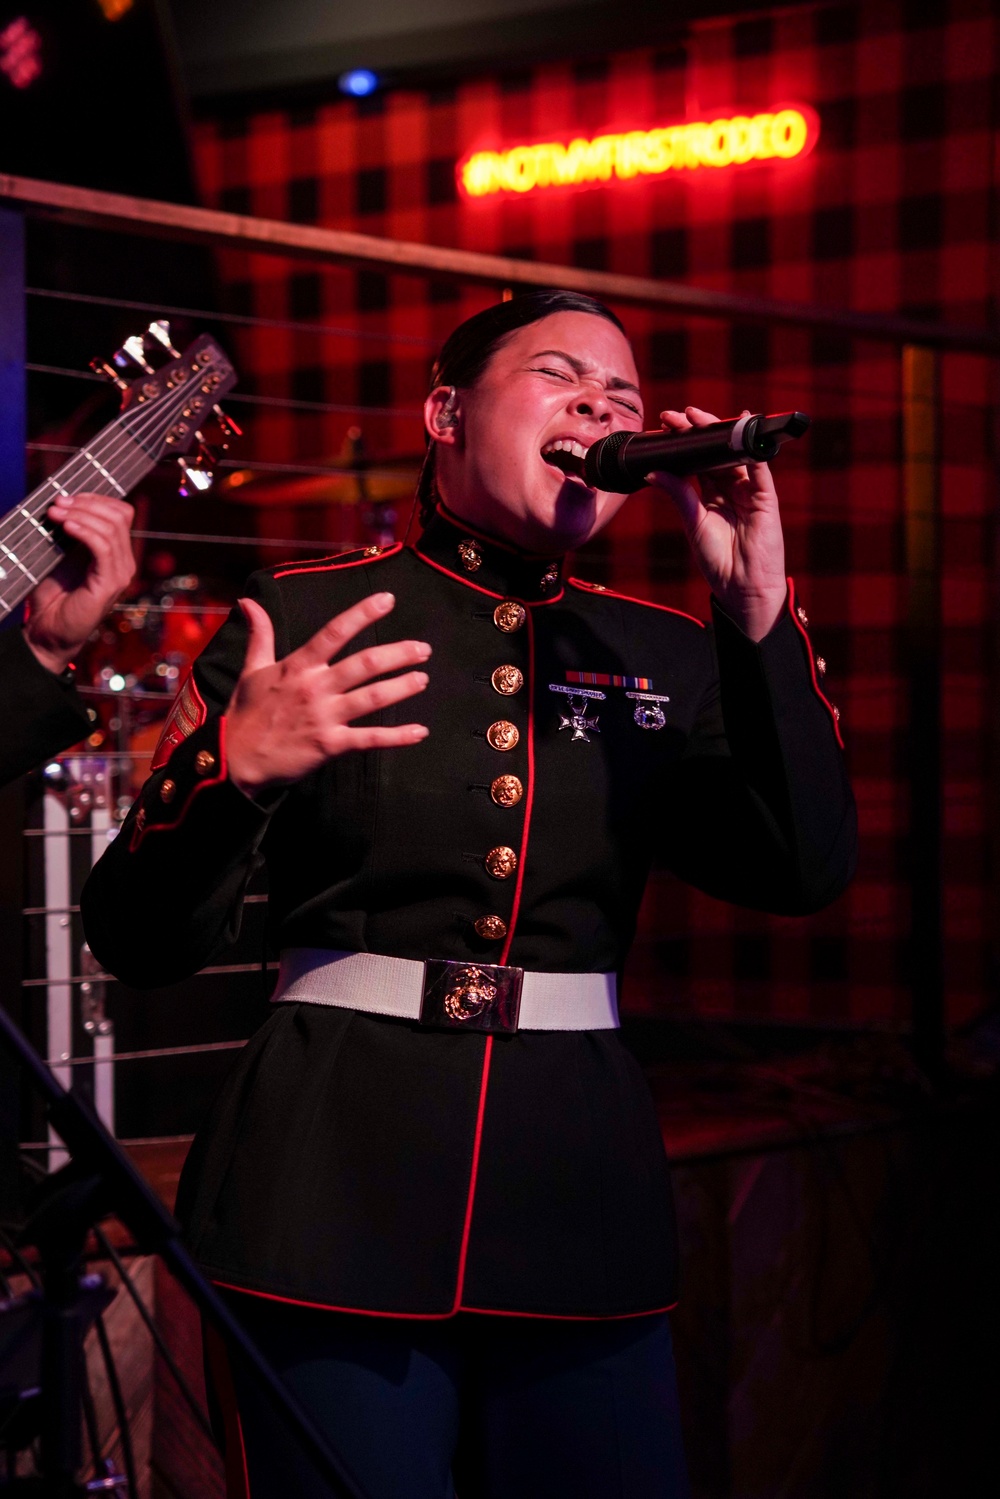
[449, 994]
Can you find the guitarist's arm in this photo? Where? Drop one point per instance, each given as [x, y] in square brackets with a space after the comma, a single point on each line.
[43, 712]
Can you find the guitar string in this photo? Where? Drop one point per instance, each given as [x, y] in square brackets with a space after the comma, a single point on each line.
[105, 449]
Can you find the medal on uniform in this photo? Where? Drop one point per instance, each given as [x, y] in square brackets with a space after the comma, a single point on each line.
[576, 719]
[648, 713]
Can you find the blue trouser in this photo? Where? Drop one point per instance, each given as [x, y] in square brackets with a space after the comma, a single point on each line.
[490, 1407]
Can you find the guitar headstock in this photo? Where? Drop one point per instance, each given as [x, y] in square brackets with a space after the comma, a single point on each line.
[172, 409]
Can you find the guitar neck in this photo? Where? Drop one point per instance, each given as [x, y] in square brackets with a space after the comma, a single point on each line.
[112, 463]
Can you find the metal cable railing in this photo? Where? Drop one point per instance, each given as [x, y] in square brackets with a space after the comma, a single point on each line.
[246, 319]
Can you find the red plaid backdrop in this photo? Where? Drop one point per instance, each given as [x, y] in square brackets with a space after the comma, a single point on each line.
[892, 211]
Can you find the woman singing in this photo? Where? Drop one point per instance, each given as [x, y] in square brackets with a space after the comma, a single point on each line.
[433, 1185]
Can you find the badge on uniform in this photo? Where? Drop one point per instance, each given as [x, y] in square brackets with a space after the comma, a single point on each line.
[576, 719]
[648, 713]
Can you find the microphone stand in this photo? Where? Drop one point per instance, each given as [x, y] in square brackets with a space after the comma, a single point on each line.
[101, 1180]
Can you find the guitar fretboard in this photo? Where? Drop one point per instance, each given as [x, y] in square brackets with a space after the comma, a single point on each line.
[112, 463]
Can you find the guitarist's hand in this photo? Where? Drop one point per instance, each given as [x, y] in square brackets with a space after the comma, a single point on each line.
[288, 717]
[67, 606]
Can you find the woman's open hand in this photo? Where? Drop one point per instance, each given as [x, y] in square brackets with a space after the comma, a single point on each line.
[287, 718]
[732, 522]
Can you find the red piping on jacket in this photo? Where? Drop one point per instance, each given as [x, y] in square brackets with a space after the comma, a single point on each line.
[478, 1311]
[648, 603]
[470, 1200]
[237, 1474]
[532, 603]
[138, 834]
[486, 1311]
[325, 565]
[529, 795]
[463, 1252]
[812, 662]
[325, 1306]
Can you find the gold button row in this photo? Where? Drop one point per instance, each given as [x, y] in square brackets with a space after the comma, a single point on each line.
[506, 791]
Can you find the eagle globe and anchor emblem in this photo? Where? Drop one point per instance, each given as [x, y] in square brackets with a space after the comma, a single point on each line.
[470, 994]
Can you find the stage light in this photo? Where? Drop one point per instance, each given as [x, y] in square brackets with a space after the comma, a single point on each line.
[358, 82]
[778, 135]
[20, 52]
[115, 9]
[117, 682]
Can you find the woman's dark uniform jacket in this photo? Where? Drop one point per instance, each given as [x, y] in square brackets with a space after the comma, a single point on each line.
[42, 712]
[371, 1164]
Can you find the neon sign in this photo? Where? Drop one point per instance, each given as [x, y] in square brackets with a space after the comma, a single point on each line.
[781, 135]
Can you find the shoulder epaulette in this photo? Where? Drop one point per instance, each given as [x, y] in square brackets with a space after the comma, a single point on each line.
[628, 598]
[358, 557]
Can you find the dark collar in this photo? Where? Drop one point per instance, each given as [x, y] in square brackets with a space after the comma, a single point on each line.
[496, 567]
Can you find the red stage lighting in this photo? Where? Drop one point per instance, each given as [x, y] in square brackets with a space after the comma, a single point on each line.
[20, 52]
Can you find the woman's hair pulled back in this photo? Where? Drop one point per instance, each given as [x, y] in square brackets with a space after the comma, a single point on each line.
[469, 348]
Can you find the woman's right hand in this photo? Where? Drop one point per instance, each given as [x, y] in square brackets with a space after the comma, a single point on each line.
[287, 718]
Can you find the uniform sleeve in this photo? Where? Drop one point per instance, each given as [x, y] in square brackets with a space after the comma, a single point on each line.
[760, 811]
[167, 894]
[43, 712]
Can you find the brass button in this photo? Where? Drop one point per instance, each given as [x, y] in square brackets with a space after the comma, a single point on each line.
[509, 616]
[836, 714]
[204, 761]
[372, 551]
[507, 680]
[549, 578]
[821, 666]
[501, 862]
[803, 617]
[470, 555]
[502, 735]
[493, 928]
[506, 791]
[168, 790]
[140, 819]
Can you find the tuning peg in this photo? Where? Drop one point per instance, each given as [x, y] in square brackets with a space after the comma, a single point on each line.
[102, 367]
[160, 330]
[197, 475]
[229, 427]
[134, 348]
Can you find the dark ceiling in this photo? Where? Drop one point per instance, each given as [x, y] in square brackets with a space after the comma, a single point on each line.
[230, 48]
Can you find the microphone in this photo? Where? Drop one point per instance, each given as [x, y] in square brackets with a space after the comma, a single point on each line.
[620, 463]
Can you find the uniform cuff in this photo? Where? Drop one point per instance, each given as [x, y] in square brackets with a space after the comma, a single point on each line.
[195, 776]
[784, 658]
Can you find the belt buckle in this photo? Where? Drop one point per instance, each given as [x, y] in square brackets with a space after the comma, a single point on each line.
[461, 996]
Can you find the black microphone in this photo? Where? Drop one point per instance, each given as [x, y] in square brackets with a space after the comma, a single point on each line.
[620, 463]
